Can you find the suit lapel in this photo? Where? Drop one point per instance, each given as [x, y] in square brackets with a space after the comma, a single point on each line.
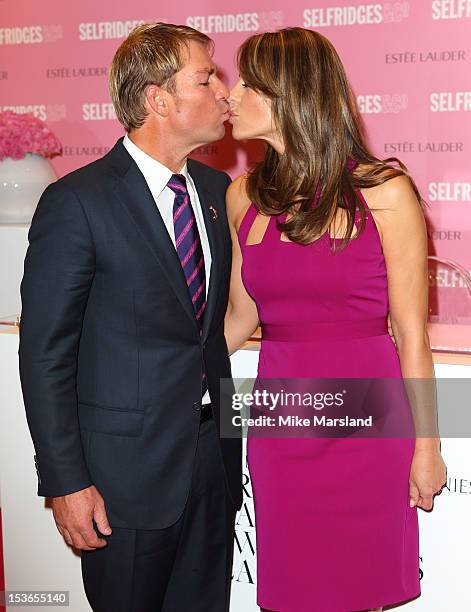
[133, 192]
[213, 230]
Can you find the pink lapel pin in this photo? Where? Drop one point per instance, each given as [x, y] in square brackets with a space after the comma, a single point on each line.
[214, 213]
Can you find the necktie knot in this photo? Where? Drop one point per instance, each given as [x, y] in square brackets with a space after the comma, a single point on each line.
[177, 184]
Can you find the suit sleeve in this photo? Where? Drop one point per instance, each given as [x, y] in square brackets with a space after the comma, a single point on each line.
[58, 273]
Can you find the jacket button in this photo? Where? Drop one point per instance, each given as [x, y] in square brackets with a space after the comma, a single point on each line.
[197, 406]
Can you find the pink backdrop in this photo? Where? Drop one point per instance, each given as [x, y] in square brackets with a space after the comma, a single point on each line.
[409, 63]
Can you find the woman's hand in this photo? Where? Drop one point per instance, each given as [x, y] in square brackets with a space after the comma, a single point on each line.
[427, 477]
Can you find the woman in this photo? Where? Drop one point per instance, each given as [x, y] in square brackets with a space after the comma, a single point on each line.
[327, 241]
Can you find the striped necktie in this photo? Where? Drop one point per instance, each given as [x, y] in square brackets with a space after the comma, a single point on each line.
[189, 250]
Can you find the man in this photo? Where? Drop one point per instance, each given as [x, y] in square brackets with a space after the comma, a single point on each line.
[122, 345]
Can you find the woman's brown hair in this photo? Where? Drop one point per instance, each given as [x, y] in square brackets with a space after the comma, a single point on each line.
[316, 114]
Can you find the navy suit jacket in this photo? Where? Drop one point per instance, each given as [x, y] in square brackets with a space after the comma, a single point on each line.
[110, 353]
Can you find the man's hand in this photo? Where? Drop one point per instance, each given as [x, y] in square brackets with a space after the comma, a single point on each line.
[73, 514]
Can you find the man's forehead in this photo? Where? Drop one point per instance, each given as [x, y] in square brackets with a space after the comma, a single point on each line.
[198, 59]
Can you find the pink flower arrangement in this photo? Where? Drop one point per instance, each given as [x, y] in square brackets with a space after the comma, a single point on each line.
[24, 133]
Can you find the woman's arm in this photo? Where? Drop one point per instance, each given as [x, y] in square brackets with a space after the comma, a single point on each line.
[404, 239]
[241, 317]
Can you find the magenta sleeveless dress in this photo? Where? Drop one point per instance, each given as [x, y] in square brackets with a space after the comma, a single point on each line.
[334, 529]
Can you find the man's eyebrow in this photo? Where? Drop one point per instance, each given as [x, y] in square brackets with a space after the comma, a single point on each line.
[208, 71]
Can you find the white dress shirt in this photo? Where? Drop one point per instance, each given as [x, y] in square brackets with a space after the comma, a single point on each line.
[157, 176]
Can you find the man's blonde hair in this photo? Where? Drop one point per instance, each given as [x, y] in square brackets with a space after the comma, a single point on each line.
[150, 55]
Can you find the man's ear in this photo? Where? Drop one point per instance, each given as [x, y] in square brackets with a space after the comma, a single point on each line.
[157, 100]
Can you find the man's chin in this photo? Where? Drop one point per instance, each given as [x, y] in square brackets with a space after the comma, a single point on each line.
[222, 131]
[207, 139]
[218, 134]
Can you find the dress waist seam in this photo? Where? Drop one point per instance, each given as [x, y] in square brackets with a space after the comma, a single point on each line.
[330, 330]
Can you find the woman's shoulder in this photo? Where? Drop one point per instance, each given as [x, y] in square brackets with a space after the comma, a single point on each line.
[393, 194]
[237, 200]
[395, 208]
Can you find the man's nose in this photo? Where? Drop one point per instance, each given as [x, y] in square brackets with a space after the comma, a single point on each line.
[222, 90]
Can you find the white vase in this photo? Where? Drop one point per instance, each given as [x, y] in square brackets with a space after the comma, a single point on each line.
[22, 182]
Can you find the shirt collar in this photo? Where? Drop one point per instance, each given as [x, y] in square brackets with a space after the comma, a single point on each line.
[155, 173]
